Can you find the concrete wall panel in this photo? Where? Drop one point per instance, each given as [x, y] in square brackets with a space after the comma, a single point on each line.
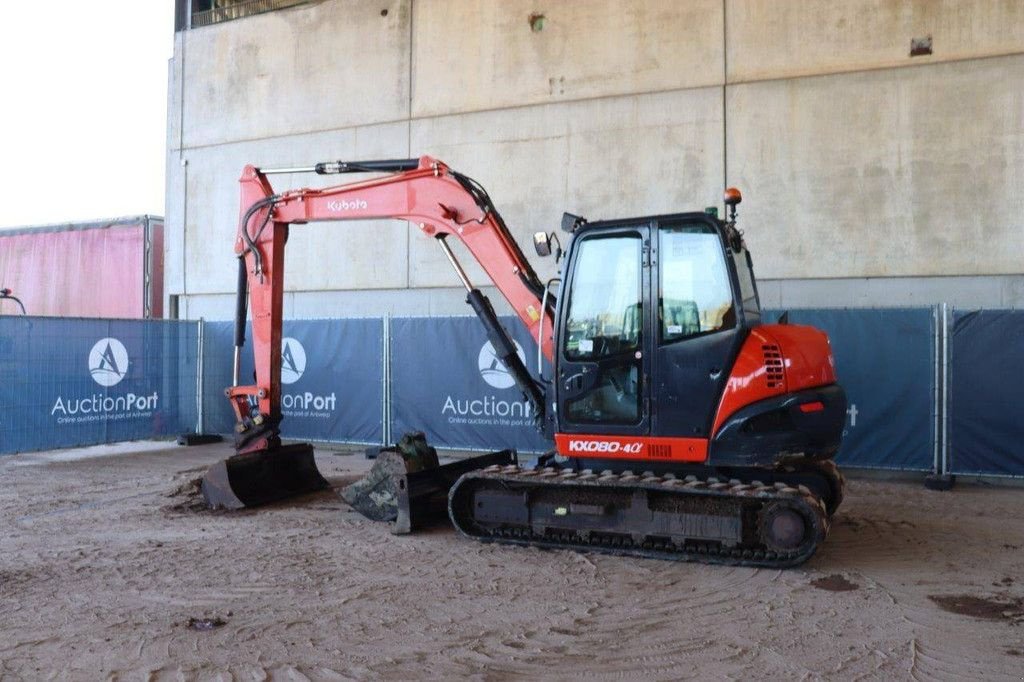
[1001, 291]
[474, 55]
[301, 305]
[406, 302]
[351, 255]
[870, 177]
[174, 235]
[1005, 291]
[901, 172]
[319, 66]
[785, 38]
[605, 158]
[174, 81]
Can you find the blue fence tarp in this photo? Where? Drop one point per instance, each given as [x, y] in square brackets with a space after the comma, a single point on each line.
[332, 376]
[218, 360]
[446, 382]
[71, 382]
[885, 362]
[986, 373]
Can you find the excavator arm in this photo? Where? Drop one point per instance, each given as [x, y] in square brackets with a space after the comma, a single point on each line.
[425, 192]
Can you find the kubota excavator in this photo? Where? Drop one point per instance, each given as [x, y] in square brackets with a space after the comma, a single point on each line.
[683, 426]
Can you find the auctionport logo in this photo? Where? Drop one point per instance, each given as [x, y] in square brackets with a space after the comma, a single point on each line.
[108, 362]
[293, 360]
[306, 403]
[493, 370]
[108, 365]
[489, 410]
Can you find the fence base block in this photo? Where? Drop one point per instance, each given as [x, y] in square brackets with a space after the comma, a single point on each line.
[199, 439]
[939, 482]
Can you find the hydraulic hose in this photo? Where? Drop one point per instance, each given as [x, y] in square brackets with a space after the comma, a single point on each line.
[251, 240]
[241, 301]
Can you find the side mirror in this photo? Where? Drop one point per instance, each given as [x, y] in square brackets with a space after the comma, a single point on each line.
[542, 243]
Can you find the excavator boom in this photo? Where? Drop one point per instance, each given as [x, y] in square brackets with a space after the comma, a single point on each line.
[441, 202]
[427, 193]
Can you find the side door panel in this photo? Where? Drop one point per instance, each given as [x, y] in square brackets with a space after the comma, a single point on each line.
[689, 380]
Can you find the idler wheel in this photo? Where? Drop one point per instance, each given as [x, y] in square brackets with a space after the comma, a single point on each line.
[783, 528]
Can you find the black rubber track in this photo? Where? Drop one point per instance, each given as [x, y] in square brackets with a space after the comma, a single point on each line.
[750, 502]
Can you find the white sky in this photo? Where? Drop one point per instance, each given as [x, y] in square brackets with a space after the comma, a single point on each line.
[83, 109]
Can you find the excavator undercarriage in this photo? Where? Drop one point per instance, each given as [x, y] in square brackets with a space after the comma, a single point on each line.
[651, 516]
[714, 520]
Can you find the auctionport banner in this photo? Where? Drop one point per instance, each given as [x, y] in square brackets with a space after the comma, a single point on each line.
[332, 379]
[447, 382]
[69, 382]
[885, 362]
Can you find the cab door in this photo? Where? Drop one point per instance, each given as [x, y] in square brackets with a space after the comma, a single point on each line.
[697, 332]
[603, 343]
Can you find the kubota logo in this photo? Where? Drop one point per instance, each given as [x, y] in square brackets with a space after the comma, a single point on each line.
[604, 446]
[293, 360]
[493, 370]
[108, 362]
[347, 205]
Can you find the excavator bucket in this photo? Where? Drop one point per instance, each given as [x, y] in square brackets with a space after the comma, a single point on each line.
[409, 487]
[256, 478]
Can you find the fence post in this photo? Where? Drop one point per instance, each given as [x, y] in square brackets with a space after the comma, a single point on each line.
[199, 437]
[200, 384]
[386, 416]
[937, 382]
[945, 390]
[941, 479]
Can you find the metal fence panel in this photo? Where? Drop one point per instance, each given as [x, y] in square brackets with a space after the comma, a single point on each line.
[332, 379]
[986, 375]
[885, 361]
[71, 382]
[218, 349]
[446, 382]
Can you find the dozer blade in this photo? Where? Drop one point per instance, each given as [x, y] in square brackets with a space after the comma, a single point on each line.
[261, 477]
[409, 487]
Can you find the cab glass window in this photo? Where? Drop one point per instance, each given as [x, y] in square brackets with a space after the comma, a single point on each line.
[694, 293]
[604, 316]
[748, 292]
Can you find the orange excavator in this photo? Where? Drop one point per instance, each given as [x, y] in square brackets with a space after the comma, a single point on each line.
[683, 427]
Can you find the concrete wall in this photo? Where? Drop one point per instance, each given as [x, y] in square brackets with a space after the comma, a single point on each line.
[870, 177]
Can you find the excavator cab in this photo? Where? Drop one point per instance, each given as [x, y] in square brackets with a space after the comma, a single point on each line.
[662, 359]
[652, 314]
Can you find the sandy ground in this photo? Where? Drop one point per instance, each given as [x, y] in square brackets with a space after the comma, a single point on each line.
[100, 576]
